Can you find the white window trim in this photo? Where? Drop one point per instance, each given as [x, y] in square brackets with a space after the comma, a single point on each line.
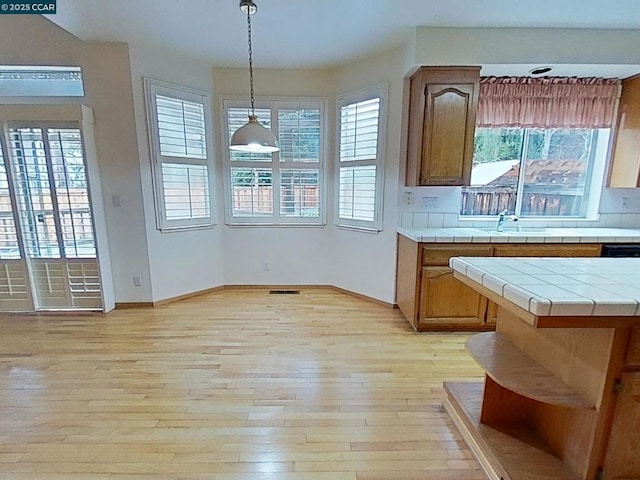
[381, 91]
[154, 87]
[274, 103]
[595, 182]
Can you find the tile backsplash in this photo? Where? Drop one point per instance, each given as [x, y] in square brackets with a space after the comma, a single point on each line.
[437, 207]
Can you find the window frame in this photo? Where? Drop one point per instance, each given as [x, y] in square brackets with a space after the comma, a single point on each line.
[274, 104]
[600, 140]
[153, 87]
[381, 91]
[49, 93]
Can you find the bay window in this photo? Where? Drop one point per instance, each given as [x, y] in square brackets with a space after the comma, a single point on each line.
[284, 187]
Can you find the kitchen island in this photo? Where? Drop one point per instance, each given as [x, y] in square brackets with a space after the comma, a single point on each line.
[561, 396]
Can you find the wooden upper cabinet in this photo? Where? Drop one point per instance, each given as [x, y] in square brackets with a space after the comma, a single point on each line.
[441, 125]
[625, 164]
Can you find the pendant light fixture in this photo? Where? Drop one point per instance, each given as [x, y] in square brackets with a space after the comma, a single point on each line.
[252, 136]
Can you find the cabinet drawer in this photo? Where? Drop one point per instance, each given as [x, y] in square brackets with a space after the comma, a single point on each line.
[439, 255]
[550, 250]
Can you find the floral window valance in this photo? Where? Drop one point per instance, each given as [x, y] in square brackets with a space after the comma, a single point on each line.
[547, 102]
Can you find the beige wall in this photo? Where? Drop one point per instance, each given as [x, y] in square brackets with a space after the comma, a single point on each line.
[33, 40]
[180, 262]
[296, 255]
[363, 262]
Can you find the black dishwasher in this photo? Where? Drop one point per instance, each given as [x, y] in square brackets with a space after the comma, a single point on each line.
[621, 250]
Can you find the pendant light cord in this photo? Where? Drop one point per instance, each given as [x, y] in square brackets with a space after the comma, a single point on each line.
[250, 60]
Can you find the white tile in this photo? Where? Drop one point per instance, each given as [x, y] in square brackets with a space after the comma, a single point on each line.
[458, 264]
[631, 292]
[556, 279]
[571, 306]
[450, 220]
[548, 291]
[436, 220]
[587, 291]
[540, 306]
[499, 239]
[531, 269]
[618, 307]
[406, 220]
[462, 239]
[521, 279]
[517, 295]
[474, 273]
[498, 270]
[493, 283]
[610, 219]
[587, 279]
[420, 220]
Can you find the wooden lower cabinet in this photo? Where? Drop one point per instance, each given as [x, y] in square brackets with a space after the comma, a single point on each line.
[447, 303]
[432, 300]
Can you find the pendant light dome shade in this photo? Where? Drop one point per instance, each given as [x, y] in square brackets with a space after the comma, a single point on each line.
[253, 137]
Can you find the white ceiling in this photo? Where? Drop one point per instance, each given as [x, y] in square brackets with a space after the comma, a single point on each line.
[316, 33]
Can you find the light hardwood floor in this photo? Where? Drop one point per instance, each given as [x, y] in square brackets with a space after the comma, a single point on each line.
[233, 385]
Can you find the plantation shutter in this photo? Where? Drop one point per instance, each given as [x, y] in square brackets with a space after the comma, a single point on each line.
[178, 131]
[359, 163]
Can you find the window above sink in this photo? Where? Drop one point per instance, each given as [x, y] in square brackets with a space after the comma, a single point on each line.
[540, 147]
[535, 172]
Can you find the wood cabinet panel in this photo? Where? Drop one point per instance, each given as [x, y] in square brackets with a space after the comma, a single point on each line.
[548, 250]
[446, 302]
[632, 361]
[623, 453]
[440, 254]
[625, 163]
[408, 278]
[441, 125]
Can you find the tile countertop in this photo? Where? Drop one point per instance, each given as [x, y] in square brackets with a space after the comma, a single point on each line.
[527, 235]
[559, 286]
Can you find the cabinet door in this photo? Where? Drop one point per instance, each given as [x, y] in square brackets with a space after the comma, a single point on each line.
[447, 136]
[440, 105]
[446, 303]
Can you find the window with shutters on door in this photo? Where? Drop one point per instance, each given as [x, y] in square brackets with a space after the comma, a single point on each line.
[179, 122]
[284, 187]
[359, 173]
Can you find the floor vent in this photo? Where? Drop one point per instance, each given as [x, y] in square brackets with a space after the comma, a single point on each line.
[284, 292]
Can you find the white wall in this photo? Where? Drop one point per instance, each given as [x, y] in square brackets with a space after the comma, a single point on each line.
[180, 262]
[296, 255]
[481, 46]
[33, 40]
[606, 52]
[363, 262]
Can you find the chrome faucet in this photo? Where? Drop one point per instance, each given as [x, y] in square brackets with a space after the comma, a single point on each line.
[503, 217]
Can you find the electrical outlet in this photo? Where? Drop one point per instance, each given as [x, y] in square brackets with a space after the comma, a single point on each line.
[624, 202]
[408, 198]
[266, 266]
[137, 281]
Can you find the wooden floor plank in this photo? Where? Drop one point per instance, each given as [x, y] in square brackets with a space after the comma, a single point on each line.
[231, 385]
